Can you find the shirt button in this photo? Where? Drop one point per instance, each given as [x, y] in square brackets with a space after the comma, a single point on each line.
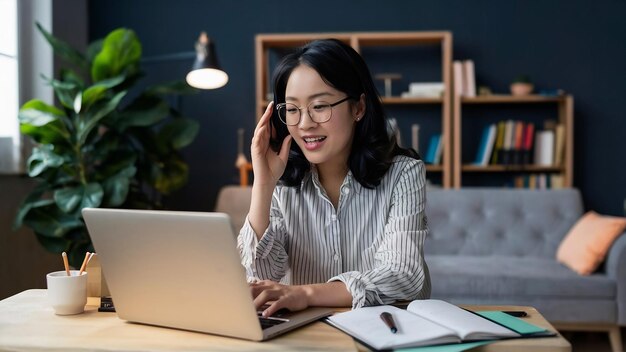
[336, 257]
[333, 217]
[346, 190]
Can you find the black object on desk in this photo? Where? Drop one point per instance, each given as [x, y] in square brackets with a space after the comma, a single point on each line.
[516, 313]
[106, 304]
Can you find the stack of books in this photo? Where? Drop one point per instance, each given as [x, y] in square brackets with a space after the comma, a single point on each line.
[512, 142]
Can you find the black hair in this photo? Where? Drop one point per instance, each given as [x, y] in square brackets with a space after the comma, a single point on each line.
[341, 67]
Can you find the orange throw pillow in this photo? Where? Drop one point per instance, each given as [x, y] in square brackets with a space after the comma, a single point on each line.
[588, 241]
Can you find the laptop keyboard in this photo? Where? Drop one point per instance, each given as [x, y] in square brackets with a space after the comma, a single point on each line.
[269, 322]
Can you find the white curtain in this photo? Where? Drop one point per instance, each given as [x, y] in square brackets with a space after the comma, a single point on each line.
[24, 55]
[10, 146]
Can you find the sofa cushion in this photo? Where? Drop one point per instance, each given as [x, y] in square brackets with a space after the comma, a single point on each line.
[500, 276]
[480, 221]
[586, 244]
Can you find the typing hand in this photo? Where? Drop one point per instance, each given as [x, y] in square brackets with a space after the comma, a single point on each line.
[278, 297]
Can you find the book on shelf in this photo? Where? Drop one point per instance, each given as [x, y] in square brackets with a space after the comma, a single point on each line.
[538, 181]
[431, 151]
[518, 143]
[506, 157]
[425, 90]
[529, 135]
[496, 155]
[415, 135]
[469, 79]
[485, 147]
[559, 144]
[430, 322]
[438, 151]
[544, 148]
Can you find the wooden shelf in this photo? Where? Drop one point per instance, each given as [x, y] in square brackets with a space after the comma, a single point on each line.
[565, 106]
[401, 101]
[510, 168]
[510, 99]
[265, 43]
[434, 168]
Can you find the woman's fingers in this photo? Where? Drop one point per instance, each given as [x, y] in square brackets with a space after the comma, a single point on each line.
[284, 149]
[273, 308]
[266, 114]
[265, 296]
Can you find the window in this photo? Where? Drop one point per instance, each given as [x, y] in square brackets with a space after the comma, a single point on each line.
[9, 88]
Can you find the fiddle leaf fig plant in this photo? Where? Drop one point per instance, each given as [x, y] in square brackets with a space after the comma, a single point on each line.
[108, 143]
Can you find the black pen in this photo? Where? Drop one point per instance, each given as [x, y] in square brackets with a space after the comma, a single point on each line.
[388, 319]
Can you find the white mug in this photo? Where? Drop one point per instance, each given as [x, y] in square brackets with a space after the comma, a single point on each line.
[67, 294]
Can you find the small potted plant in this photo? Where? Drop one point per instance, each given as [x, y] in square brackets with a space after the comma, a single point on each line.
[521, 85]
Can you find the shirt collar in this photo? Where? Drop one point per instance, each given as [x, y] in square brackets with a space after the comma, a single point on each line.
[313, 176]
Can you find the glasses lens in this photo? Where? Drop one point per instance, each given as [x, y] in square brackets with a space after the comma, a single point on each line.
[320, 111]
[289, 114]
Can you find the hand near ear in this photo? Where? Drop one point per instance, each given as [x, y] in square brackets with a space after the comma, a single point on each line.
[268, 166]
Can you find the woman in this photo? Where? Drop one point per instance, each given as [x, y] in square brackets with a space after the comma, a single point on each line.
[337, 212]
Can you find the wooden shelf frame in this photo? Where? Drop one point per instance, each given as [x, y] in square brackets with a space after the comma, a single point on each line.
[265, 42]
[565, 106]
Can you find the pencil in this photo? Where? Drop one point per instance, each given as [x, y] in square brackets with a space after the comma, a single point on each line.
[82, 267]
[87, 263]
[65, 263]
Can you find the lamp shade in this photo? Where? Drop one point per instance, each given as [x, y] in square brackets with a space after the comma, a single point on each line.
[206, 72]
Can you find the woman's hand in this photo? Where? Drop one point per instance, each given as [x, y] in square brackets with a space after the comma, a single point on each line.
[278, 296]
[268, 166]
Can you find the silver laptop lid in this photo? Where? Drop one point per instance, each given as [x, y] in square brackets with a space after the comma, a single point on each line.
[174, 269]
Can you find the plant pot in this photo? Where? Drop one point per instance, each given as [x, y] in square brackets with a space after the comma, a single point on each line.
[521, 88]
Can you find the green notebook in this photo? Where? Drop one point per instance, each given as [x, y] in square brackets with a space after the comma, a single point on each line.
[518, 325]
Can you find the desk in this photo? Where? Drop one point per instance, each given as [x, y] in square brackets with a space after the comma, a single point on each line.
[28, 323]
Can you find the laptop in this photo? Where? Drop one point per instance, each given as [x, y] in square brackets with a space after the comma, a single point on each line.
[182, 270]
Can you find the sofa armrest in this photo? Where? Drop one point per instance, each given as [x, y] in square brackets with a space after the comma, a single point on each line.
[616, 270]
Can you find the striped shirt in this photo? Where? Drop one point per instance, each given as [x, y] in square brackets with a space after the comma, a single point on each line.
[373, 242]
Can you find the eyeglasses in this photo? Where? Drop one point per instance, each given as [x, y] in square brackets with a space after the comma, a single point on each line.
[319, 111]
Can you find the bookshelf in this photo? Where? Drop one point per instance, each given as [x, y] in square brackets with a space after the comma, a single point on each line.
[565, 110]
[360, 41]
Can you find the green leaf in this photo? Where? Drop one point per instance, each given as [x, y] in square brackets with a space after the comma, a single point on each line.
[170, 175]
[65, 91]
[63, 49]
[120, 53]
[32, 201]
[144, 111]
[52, 244]
[70, 76]
[49, 221]
[98, 90]
[43, 158]
[116, 187]
[42, 122]
[179, 133]
[82, 196]
[116, 162]
[93, 49]
[176, 87]
[100, 111]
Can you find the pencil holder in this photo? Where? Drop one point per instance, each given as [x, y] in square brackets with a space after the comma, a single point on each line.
[67, 294]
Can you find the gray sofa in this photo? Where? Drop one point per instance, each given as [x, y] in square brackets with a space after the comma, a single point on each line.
[498, 246]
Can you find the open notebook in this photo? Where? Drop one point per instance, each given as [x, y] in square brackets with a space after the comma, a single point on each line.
[423, 323]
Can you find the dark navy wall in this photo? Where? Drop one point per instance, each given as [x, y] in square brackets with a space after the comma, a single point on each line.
[578, 46]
